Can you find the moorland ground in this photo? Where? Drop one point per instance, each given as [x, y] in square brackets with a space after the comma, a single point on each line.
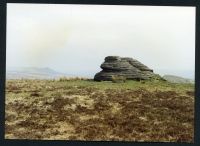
[155, 111]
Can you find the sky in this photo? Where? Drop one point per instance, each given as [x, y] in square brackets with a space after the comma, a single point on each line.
[75, 39]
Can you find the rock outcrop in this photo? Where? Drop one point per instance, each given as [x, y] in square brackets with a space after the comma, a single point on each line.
[126, 67]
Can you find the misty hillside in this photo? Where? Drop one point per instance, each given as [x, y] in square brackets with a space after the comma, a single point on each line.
[32, 73]
[177, 79]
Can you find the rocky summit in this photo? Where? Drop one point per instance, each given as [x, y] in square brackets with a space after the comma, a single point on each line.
[126, 67]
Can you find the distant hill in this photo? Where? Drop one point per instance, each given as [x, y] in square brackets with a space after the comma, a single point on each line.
[32, 73]
[177, 79]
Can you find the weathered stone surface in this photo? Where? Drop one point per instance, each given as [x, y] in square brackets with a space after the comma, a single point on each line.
[112, 58]
[125, 67]
[137, 64]
[118, 65]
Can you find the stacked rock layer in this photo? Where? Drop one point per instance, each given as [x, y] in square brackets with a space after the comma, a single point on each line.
[128, 68]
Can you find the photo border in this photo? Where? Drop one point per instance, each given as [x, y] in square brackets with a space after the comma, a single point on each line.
[17, 142]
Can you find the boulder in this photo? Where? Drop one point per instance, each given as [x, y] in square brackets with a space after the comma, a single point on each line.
[126, 67]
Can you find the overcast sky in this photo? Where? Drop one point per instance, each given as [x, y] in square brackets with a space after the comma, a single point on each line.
[75, 39]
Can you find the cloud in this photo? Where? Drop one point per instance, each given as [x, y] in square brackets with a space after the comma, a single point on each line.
[76, 38]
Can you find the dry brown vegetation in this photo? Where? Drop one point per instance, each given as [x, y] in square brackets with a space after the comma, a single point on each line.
[88, 110]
